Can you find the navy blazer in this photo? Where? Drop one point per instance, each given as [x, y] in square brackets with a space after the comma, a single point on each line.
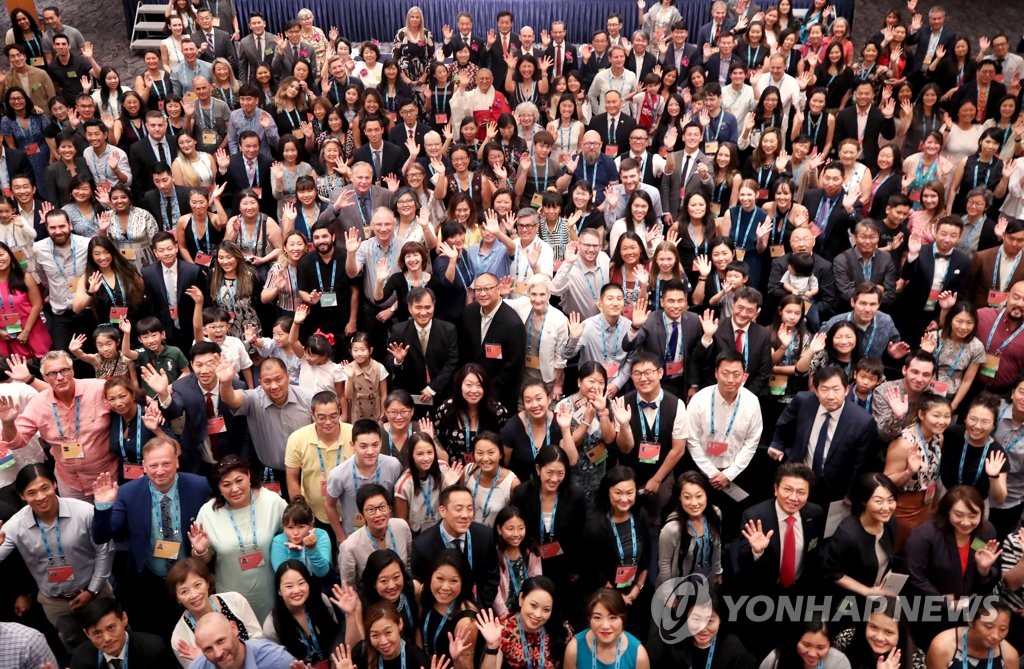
[908, 313]
[160, 306]
[763, 574]
[131, 516]
[188, 399]
[429, 544]
[237, 180]
[144, 650]
[835, 234]
[854, 433]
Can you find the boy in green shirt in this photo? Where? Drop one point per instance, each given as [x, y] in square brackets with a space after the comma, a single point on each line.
[154, 351]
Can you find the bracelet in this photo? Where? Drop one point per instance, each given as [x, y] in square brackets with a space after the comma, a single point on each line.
[703, 278]
[198, 554]
[490, 651]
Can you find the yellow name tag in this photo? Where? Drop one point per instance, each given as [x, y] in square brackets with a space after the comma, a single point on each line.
[168, 550]
[72, 451]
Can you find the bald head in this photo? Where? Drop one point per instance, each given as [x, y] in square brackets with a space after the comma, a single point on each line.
[217, 638]
[591, 144]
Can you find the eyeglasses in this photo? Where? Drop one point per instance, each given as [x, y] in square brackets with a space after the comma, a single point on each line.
[486, 289]
[54, 373]
[590, 246]
[327, 418]
[374, 510]
[644, 374]
[980, 422]
[398, 413]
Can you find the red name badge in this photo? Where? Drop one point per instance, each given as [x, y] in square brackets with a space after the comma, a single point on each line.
[673, 368]
[323, 488]
[118, 314]
[624, 576]
[762, 193]
[649, 453]
[440, 119]
[321, 665]
[273, 486]
[215, 425]
[60, 574]
[468, 458]
[938, 387]
[997, 298]
[550, 549]
[258, 191]
[611, 150]
[251, 561]
[132, 472]
[492, 351]
[204, 259]
[611, 369]
[31, 149]
[174, 313]
[716, 448]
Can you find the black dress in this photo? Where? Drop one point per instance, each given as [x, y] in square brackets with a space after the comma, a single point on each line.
[972, 471]
[515, 437]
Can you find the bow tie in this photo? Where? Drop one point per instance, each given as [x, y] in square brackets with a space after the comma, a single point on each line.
[944, 257]
[647, 405]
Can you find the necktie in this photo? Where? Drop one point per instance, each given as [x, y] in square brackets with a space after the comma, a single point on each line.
[982, 95]
[686, 171]
[376, 163]
[162, 148]
[364, 205]
[504, 45]
[116, 663]
[250, 170]
[211, 412]
[209, 40]
[818, 460]
[169, 211]
[739, 341]
[295, 53]
[412, 133]
[612, 131]
[787, 570]
[166, 524]
[714, 34]
[458, 545]
[824, 212]
[558, 60]
[171, 286]
[424, 339]
[673, 342]
[259, 48]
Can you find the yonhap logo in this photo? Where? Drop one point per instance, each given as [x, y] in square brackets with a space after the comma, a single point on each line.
[673, 600]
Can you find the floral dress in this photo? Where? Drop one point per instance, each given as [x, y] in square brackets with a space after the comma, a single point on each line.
[413, 57]
[33, 142]
[135, 243]
[239, 308]
[80, 225]
[512, 650]
[589, 469]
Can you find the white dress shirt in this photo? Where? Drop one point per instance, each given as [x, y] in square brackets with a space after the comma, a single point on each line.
[816, 433]
[741, 441]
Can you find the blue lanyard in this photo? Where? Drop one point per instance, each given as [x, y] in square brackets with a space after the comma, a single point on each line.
[995, 272]
[718, 129]
[540, 333]
[323, 468]
[618, 541]
[732, 418]
[536, 182]
[956, 360]
[487, 500]
[988, 342]
[512, 578]
[549, 531]
[925, 449]
[526, 647]
[816, 127]
[78, 415]
[467, 275]
[455, 178]
[467, 431]
[310, 642]
[867, 268]
[381, 545]
[963, 657]
[380, 658]
[741, 241]
[469, 552]
[618, 653]
[46, 543]
[779, 236]
[988, 172]
[593, 180]
[206, 236]
[981, 462]
[529, 433]
[871, 326]
[439, 109]
[702, 545]
[138, 437]
[252, 517]
[320, 278]
[656, 429]
[711, 654]
[59, 265]
[356, 477]
[426, 623]
[787, 357]
[428, 502]
[761, 172]
[1002, 414]
[866, 404]
[590, 284]
[604, 340]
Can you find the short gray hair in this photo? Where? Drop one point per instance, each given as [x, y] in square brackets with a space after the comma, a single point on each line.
[57, 355]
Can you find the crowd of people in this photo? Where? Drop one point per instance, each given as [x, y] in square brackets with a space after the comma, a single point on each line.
[491, 349]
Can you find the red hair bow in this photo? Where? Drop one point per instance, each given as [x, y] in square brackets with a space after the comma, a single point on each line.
[326, 335]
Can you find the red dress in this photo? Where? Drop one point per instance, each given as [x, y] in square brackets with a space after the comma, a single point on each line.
[39, 341]
[512, 646]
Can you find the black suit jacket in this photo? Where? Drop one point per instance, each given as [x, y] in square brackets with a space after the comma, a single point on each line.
[17, 164]
[690, 56]
[762, 575]
[876, 126]
[391, 160]
[570, 58]
[827, 290]
[652, 337]
[437, 364]
[142, 159]
[969, 91]
[144, 650]
[849, 272]
[237, 180]
[909, 314]
[153, 202]
[156, 295]
[399, 135]
[845, 461]
[188, 399]
[430, 543]
[223, 47]
[623, 127]
[508, 334]
[834, 237]
[590, 68]
[713, 67]
[496, 58]
[704, 34]
[759, 355]
[933, 563]
[476, 55]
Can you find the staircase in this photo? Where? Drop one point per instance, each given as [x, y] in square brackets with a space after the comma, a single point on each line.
[149, 27]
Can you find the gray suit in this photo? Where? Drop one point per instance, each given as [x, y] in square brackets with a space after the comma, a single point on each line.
[350, 217]
[284, 61]
[249, 60]
[848, 272]
[223, 47]
[671, 185]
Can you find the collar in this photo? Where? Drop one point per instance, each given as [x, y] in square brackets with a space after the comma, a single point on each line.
[494, 310]
[425, 328]
[124, 650]
[447, 536]
[782, 514]
[63, 511]
[266, 402]
[170, 491]
[736, 328]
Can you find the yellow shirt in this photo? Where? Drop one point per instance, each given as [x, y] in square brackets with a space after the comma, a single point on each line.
[302, 454]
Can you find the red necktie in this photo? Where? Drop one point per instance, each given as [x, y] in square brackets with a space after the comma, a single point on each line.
[787, 571]
[739, 341]
[558, 61]
[214, 438]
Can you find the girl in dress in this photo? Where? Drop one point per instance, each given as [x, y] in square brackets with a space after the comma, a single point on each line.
[531, 637]
[592, 428]
[318, 371]
[365, 381]
[108, 361]
[418, 490]
[234, 285]
[518, 558]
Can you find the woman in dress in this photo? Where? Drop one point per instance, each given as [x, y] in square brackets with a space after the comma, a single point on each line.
[528, 636]
[131, 228]
[370, 70]
[413, 49]
[21, 304]
[628, 268]
[385, 580]
[447, 622]
[202, 229]
[970, 456]
[302, 619]
[815, 121]
[518, 558]
[83, 209]
[691, 537]
[236, 528]
[748, 227]
[532, 429]
[131, 426]
[606, 643]
[130, 126]
[22, 129]
[886, 182]
[842, 349]
[233, 287]
[566, 128]
[225, 86]
[111, 286]
[592, 428]
[154, 84]
[285, 173]
[962, 130]
[192, 584]
[958, 351]
[282, 286]
[193, 168]
[256, 234]
[468, 412]
[385, 644]
[311, 34]
[705, 644]
[982, 169]
[711, 269]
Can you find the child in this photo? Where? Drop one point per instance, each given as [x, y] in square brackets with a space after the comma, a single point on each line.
[300, 540]
[868, 374]
[277, 346]
[650, 104]
[518, 558]
[153, 350]
[365, 385]
[799, 280]
[418, 490]
[317, 371]
[211, 324]
[736, 274]
[18, 235]
[554, 229]
[107, 361]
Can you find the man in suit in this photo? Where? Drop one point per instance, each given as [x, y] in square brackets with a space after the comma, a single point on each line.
[246, 169]
[719, 65]
[40, 85]
[827, 433]
[801, 240]
[691, 172]
[410, 127]
[639, 60]
[493, 336]
[126, 513]
[211, 429]
[562, 54]
[255, 49]
[454, 41]
[458, 531]
[865, 122]
[106, 625]
[1004, 262]
[985, 92]
[145, 154]
[17, 164]
[753, 341]
[928, 271]
[833, 212]
[774, 557]
[928, 40]
[165, 201]
[679, 53]
[501, 44]
[291, 50]
[424, 371]
[355, 211]
[614, 125]
[528, 45]
[653, 167]
[593, 57]
[720, 24]
[26, 203]
[167, 285]
[387, 159]
[213, 42]
[864, 262]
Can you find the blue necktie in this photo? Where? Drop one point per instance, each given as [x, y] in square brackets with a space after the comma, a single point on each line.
[673, 342]
[818, 462]
[364, 205]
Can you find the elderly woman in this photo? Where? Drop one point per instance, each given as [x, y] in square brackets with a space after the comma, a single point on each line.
[547, 331]
[315, 36]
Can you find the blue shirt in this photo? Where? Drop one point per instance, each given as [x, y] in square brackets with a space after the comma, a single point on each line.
[496, 262]
[881, 331]
[159, 566]
[599, 175]
[259, 654]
